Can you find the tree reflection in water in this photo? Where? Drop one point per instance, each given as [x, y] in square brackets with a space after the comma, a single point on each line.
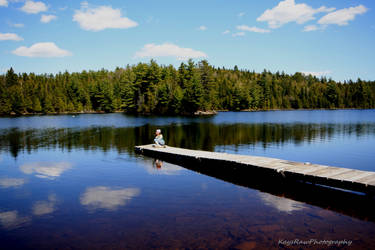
[205, 136]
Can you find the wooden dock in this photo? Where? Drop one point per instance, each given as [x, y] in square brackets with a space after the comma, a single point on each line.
[336, 177]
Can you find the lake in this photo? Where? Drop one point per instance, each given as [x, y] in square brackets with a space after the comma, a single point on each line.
[74, 181]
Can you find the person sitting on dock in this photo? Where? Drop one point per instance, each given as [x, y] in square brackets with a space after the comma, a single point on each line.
[159, 141]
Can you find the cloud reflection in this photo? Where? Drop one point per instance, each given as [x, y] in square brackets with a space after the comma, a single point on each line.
[11, 182]
[102, 197]
[45, 207]
[49, 170]
[11, 219]
[281, 204]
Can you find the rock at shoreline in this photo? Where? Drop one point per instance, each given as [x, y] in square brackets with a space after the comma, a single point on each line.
[208, 112]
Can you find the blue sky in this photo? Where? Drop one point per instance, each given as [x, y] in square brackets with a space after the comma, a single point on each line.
[331, 38]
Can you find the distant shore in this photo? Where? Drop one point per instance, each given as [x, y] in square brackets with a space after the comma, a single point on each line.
[197, 113]
[263, 110]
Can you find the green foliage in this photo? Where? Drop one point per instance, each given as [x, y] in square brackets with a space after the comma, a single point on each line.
[11, 78]
[5, 102]
[158, 89]
[36, 106]
[192, 90]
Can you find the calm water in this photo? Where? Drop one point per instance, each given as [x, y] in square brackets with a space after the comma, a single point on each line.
[75, 182]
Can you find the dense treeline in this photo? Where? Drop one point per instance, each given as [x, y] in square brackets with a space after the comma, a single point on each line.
[157, 89]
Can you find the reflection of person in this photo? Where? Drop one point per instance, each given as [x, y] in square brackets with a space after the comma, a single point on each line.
[159, 141]
[158, 164]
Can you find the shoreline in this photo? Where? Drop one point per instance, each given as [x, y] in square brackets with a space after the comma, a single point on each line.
[310, 109]
[199, 113]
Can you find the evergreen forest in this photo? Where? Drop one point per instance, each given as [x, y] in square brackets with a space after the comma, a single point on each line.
[150, 88]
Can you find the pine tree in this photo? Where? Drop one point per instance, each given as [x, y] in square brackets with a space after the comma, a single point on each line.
[11, 78]
[5, 103]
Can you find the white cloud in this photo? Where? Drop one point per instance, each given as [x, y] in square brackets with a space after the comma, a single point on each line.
[241, 14]
[288, 11]
[63, 8]
[4, 3]
[226, 32]
[317, 73]
[308, 28]
[45, 207]
[202, 28]
[168, 49]
[45, 49]
[49, 170]
[11, 219]
[10, 37]
[47, 18]
[11, 182]
[107, 198]
[238, 34]
[343, 16]
[34, 7]
[103, 17]
[281, 204]
[252, 29]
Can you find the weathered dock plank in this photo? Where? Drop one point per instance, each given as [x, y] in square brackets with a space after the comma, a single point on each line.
[356, 180]
[367, 180]
[358, 175]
